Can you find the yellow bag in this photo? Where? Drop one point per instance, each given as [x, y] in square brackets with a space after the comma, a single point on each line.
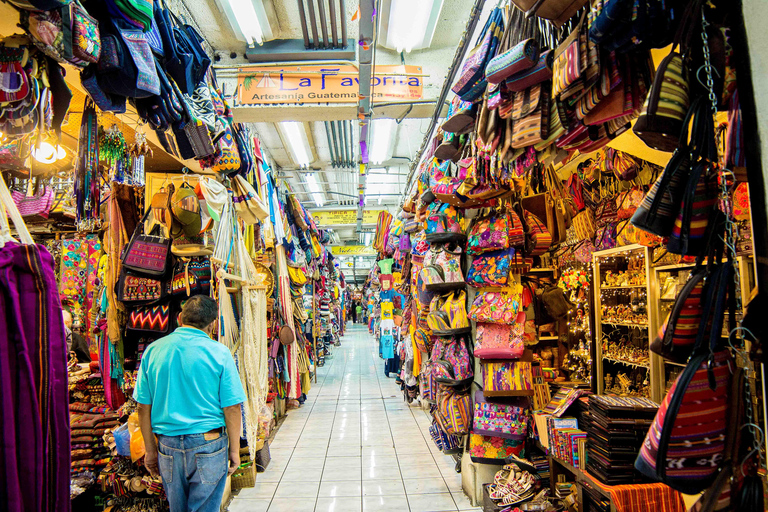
[137, 439]
[297, 275]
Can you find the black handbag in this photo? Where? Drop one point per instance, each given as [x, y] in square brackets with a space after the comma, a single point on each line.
[148, 255]
[133, 289]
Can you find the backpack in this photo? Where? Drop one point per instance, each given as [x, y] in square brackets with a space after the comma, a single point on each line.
[445, 223]
[452, 362]
[443, 272]
[453, 412]
[448, 314]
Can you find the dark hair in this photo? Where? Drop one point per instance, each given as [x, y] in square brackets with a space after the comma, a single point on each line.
[200, 311]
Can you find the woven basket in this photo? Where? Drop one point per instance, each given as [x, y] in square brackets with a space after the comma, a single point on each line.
[244, 477]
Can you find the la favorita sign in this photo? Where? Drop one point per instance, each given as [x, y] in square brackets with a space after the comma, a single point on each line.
[325, 84]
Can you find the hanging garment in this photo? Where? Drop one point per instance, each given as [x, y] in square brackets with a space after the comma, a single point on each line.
[35, 453]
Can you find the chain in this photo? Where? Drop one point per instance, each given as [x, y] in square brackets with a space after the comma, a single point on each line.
[730, 242]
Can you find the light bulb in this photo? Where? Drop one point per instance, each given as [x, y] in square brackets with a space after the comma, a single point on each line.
[45, 154]
[61, 153]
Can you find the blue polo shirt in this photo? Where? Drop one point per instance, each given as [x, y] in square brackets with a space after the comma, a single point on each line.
[188, 379]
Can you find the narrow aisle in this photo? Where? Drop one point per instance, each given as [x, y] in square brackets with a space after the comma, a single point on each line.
[355, 445]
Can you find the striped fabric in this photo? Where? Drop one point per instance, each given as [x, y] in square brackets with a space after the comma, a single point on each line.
[678, 334]
[673, 97]
[521, 57]
[631, 498]
[453, 411]
[691, 222]
[539, 73]
[150, 318]
[696, 428]
[660, 220]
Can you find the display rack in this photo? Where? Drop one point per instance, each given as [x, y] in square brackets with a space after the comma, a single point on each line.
[622, 329]
[662, 299]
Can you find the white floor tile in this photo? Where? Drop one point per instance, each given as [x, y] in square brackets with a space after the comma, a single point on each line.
[330, 489]
[442, 502]
[392, 487]
[385, 503]
[292, 505]
[425, 486]
[288, 489]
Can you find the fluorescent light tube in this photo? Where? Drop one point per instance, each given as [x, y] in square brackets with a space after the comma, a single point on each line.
[315, 191]
[298, 144]
[382, 140]
[411, 25]
[249, 19]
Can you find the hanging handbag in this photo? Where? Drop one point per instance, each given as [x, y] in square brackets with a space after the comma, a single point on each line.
[448, 314]
[499, 419]
[497, 341]
[86, 41]
[472, 73]
[148, 255]
[507, 378]
[489, 233]
[567, 67]
[454, 410]
[699, 200]
[134, 290]
[496, 307]
[443, 272]
[533, 124]
[150, 319]
[490, 268]
[452, 362]
[519, 58]
[556, 11]
[184, 282]
[538, 238]
[539, 73]
[660, 207]
[37, 206]
[446, 443]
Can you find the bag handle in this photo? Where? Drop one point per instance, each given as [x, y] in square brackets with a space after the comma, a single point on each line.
[18, 222]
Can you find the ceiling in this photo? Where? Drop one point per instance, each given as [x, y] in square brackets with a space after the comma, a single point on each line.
[339, 184]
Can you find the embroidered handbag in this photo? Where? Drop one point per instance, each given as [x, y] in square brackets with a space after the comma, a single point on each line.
[154, 319]
[184, 282]
[424, 340]
[133, 290]
[446, 443]
[448, 314]
[452, 363]
[454, 410]
[532, 126]
[37, 206]
[628, 202]
[493, 449]
[147, 255]
[496, 307]
[445, 223]
[499, 419]
[443, 273]
[507, 378]
[86, 41]
[606, 237]
[489, 233]
[497, 341]
[471, 83]
[16, 84]
[490, 269]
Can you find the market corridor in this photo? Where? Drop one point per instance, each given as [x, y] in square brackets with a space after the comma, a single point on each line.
[355, 445]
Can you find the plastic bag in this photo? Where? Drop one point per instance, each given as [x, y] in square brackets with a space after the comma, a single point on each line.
[123, 440]
[137, 439]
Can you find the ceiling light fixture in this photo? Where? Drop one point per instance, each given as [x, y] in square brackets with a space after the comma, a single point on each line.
[248, 19]
[409, 25]
[295, 137]
[47, 154]
[382, 141]
[315, 191]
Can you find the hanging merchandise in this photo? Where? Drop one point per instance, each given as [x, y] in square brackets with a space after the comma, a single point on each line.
[87, 185]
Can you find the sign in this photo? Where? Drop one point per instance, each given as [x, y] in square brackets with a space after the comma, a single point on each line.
[325, 84]
[353, 250]
[340, 217]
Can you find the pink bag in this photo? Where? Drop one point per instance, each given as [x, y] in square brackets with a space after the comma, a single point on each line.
[498, 341]
[38, 205]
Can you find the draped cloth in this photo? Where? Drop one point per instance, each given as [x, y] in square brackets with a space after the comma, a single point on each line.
[285, 303]
[35, 448]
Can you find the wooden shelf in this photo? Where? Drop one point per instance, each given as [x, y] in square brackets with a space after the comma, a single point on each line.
[624, 286]
[628, 363]
[616, 324]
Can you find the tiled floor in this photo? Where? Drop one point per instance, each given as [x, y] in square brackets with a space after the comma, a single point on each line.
[355, 445]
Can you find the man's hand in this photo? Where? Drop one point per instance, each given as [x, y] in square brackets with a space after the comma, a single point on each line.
[234, 459]
[150, 462]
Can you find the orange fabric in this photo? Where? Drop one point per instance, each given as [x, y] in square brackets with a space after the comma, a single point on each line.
[642, 497]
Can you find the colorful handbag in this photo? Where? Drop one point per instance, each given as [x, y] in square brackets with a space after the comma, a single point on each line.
[446, 443]
[690, 225]
[497, 341]
[490, 269]
[489, 233]
[628, 202]
[424, 340]
[86, 41]
[584, 225]
[516, 233]
[606, 237]
[532, 128]
[507, 378]
[37, 206]
[445, 223]
[499, 419]
[493, 449]
[454, 411]
[540, 72]
[496, 307]
[521, 57]
[452, 363]
[148, 255]
[448, 314]
[185, 282]
[471, 83]
[538, 239]
[443, 273]
[567, 67]
[155, 319]
[134, 290]
[427, 384]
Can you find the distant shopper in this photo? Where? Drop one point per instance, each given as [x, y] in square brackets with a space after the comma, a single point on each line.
[76, 344]
[359, 312]
[188, 390]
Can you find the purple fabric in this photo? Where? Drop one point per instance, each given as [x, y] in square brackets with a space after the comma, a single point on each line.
[35, 450]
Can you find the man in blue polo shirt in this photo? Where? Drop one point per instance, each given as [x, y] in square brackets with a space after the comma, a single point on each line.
[188, 391]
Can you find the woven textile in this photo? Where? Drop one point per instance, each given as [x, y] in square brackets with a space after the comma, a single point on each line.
[637, 497]
[78, 281]
[137, 44]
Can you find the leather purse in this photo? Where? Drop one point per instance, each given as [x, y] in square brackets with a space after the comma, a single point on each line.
[148, 254]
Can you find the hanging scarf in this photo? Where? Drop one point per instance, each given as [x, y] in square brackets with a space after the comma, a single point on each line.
[87, 169]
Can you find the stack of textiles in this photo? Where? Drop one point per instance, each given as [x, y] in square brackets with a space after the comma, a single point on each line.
[89, 423]
[123, 478]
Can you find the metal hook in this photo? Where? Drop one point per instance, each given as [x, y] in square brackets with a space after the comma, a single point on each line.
[698, 77]
[736, 329]
[753, 427]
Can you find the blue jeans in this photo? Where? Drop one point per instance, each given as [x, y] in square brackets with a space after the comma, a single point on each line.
[194, 471]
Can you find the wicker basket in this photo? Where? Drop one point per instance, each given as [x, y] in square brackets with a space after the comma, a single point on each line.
[244, 477]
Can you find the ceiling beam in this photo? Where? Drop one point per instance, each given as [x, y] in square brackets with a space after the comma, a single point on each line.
[423, 109]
